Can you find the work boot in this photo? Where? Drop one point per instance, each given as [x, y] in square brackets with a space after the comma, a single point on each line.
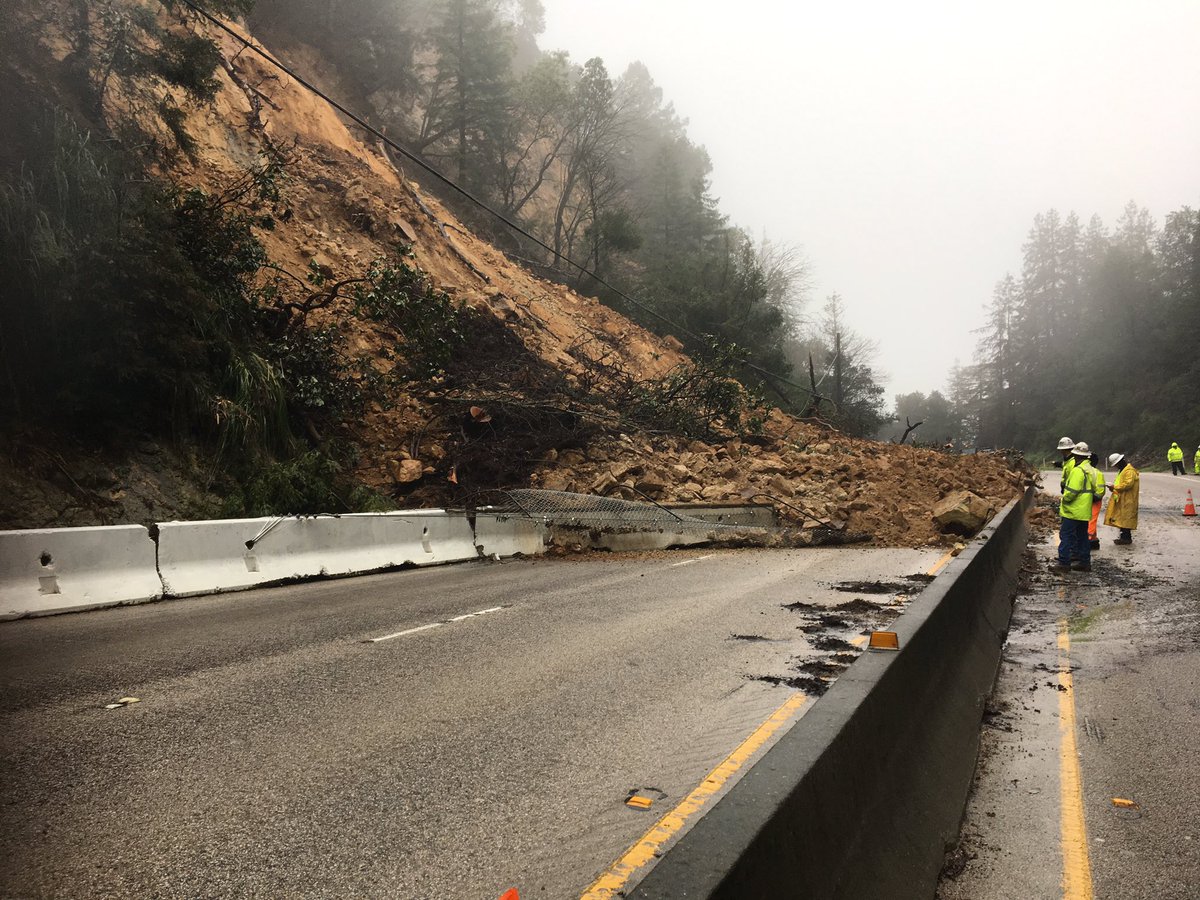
[1057, 565]
[1079, 566]
[1122, 540]
[1095, 543]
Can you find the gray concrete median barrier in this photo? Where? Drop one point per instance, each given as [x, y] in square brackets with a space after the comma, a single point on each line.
[860, 799]
[52, 570]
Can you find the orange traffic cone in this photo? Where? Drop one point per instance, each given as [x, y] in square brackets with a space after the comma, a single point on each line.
[1189, 508]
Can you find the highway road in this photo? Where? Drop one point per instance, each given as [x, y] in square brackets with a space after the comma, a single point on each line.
[370, 737]
[1089, 770]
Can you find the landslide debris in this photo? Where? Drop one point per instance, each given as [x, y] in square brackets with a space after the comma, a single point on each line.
[544, 387]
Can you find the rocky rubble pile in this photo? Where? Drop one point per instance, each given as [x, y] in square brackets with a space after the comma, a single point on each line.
[884, 490]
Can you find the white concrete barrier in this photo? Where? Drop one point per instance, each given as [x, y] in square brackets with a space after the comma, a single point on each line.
[507, 535]
[213, 556]
[51, 570]
[627, 541]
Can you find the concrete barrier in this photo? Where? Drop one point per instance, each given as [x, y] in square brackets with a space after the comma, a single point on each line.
[54, 570]
[214, 556]
[505, 535]
[862, 797]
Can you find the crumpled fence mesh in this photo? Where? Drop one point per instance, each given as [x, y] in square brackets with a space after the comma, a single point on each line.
[569, 510]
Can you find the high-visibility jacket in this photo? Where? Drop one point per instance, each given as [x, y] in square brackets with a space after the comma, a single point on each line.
[1175, 454]
[1077, 496]
[1198, 461]
[1122, 509]
[1068, 464]
[1100, 486]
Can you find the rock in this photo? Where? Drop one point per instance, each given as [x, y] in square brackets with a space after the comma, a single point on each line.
[962, 513]
[404, 227]
[554, 481]
[651, 487]
[768, 465]
[405, 471]
[602, 484]
[717, 491]
[621, 470]
[822, 447]
[781, 487]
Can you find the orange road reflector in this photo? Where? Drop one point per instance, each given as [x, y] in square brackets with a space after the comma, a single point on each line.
[1123, 803]
[636, 802]
[884, 640]
[510, 894]
[1189, 508]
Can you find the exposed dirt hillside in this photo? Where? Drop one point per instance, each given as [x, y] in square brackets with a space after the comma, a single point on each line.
[508, 416]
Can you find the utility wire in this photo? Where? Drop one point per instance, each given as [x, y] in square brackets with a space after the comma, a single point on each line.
[312, 88]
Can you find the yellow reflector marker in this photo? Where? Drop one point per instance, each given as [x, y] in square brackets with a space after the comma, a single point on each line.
[1123, 803]
[639, 802]
[884, 640]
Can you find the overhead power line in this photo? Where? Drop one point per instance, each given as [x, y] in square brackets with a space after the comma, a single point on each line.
[463, 192]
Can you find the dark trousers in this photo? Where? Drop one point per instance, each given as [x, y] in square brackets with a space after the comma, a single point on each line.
[1177, 469]
[1073, 542]
[1126, 534]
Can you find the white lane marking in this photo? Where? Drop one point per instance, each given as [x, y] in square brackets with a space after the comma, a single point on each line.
[482, 612]
[688, 562]
[462, 618]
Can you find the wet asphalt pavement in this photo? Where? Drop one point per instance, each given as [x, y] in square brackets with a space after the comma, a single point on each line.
[1133, 627]
[275, 752]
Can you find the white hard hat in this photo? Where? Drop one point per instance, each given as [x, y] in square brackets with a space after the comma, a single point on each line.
[1115, 458]
[1081, 449]
[1065, 443]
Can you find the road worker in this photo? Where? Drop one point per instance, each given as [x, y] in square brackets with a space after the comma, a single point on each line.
[1065, 446]
[1074, 551]
[1122, 509]
[1097, 500]
[1198, 460]
[1175, 458]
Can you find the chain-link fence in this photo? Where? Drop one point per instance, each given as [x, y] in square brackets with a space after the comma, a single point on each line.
[567, 510]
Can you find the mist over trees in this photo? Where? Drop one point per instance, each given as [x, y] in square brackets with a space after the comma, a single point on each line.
[597, 165]
[1095, 338]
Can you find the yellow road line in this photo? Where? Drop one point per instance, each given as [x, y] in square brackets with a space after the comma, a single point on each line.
[1077, 868]
[650, 843]
[940, 564]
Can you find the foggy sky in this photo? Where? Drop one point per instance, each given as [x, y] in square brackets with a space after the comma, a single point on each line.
[907, 146]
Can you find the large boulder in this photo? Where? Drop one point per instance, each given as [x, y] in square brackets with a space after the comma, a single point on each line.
[962, 512]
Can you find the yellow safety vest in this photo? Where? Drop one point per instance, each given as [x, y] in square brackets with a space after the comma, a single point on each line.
[1077, 496]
